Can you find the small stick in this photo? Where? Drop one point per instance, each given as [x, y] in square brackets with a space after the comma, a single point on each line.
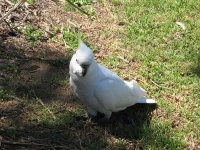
[83, 11]
[12, 9]
[40, 101]
[10, 3]
[29, 144]
[120, 57]
[9, 26]
[159, 85]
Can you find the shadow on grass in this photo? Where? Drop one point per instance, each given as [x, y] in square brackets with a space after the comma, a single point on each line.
[34, 77]
[23, 79]
[28, 78]
[132, 125]
[131, 121]
[196, 68]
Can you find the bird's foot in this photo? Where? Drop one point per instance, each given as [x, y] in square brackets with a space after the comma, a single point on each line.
[84, 116]
[99, 119]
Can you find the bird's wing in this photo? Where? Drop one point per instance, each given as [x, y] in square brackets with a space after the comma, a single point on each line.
[114, 94]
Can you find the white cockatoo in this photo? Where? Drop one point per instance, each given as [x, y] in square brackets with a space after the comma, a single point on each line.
[99, 88]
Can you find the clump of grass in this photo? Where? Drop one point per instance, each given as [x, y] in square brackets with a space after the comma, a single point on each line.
[65, 119]
[161, 136]
[68, 36]
[95, 139]
[85, 4]
[4, 94]
[33, 34]
[31, 1]
[79, 3]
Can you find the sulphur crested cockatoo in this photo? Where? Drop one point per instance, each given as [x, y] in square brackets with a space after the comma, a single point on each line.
[99, 88]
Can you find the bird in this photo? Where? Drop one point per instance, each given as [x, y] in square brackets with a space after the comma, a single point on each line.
[100, 89]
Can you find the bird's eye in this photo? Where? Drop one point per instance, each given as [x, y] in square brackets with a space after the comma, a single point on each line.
[77, 60]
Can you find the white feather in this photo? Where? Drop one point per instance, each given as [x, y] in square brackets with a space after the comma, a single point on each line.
[100, 89]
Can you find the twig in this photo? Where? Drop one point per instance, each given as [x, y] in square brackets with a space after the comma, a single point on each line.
[71, 23]
[53, 116]
[30, 144]
[120, 57]
[80, 142]
[10, 3]
[9, 26]
[83, 11]
[12, 9]
[159, 85]
[40, 101]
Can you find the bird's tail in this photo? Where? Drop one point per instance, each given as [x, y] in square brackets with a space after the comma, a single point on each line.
[145, 100]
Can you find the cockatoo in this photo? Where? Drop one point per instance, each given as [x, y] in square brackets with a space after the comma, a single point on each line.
[99, 88]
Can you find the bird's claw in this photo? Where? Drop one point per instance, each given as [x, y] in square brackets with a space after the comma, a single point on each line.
[97, 119]
[84, 116]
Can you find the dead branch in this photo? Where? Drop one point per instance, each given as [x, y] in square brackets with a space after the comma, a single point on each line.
[12, 9]
[8, 25]
[83, 11]
[31, 144]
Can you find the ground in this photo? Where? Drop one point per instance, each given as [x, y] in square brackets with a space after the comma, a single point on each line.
[37, 105]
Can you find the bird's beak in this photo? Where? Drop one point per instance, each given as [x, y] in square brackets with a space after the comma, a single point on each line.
[84, 67]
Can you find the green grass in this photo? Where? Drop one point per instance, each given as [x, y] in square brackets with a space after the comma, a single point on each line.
[169, 58]
[169, 62]
[67, 35]
[83, 4]
[33, 34]
[29, 1]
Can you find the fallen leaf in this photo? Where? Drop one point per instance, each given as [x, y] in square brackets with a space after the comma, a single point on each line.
[122, 58]
[181, 25]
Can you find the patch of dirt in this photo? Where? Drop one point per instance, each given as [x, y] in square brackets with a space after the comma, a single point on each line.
[42, 78]
[9, 107]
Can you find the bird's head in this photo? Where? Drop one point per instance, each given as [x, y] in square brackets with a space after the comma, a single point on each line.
[84, 58]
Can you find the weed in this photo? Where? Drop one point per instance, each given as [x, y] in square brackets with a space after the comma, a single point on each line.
[3, 94]
[69, 37]
[86, 4]
[33, 34]
[31, 1]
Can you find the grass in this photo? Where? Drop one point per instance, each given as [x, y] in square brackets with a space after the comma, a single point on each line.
[33, 33]
[84, 4]
[162, 56]
[168, 56]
